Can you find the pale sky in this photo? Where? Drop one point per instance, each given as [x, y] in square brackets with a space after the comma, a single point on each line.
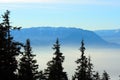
[85, 14]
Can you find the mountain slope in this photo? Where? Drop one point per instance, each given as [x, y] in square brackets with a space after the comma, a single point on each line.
[46, 36]
[110, 35]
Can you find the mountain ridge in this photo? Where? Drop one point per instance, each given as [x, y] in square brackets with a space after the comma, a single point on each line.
[46, 36]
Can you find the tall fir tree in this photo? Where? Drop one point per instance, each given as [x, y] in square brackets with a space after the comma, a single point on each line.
[55, 69]
[81, 71]
[9, 50]
[28, 67]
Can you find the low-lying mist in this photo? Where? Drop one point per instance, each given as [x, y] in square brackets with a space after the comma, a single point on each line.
[102, 58]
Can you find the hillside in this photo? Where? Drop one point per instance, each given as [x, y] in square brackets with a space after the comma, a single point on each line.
[46, 36]
[110, 35]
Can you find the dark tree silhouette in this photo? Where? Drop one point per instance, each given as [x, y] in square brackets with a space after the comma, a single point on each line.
[28, 67]
[105, 76]
[96, 76]
[89, 69]
[9, 49]
[81, 71]
[55, 69]
[42, 76]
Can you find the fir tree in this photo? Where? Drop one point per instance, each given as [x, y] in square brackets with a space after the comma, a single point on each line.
[105, 76]
[28, 67]
[89, 69]
[96, 76]
[55, 69]
[42, 76]
[9, 50]
[81, 71]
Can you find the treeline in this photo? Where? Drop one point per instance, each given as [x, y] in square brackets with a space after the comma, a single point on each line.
[17, 61]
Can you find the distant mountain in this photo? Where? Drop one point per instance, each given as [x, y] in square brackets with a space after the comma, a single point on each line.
[46, 36]
[110, 35]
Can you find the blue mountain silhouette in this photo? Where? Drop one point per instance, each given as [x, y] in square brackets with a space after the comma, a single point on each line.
[46, 36]
[109, 35]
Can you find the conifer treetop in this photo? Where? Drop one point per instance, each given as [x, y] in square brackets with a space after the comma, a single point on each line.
[82, 48]
[6, 19]
[56, 47]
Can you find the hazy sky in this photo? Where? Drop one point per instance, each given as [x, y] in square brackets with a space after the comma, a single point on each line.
[86, 14]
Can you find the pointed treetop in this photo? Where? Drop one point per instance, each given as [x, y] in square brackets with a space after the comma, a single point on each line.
[6, 14]
[82, 42]
[82, 48]
[6, 19]
[57, 41]
[27, 46]
[27, 42]
[56, 45]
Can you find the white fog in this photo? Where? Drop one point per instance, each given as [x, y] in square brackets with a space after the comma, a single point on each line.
[102, 59]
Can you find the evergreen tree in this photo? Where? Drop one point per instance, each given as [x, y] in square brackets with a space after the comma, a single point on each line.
[42, 76]
[9, 50]
[28, 67]
[96, 76]
[105, 76]
[90, 69]
[81, 71]
[55, 69]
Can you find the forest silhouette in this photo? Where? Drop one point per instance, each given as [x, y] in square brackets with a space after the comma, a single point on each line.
[26, 67]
